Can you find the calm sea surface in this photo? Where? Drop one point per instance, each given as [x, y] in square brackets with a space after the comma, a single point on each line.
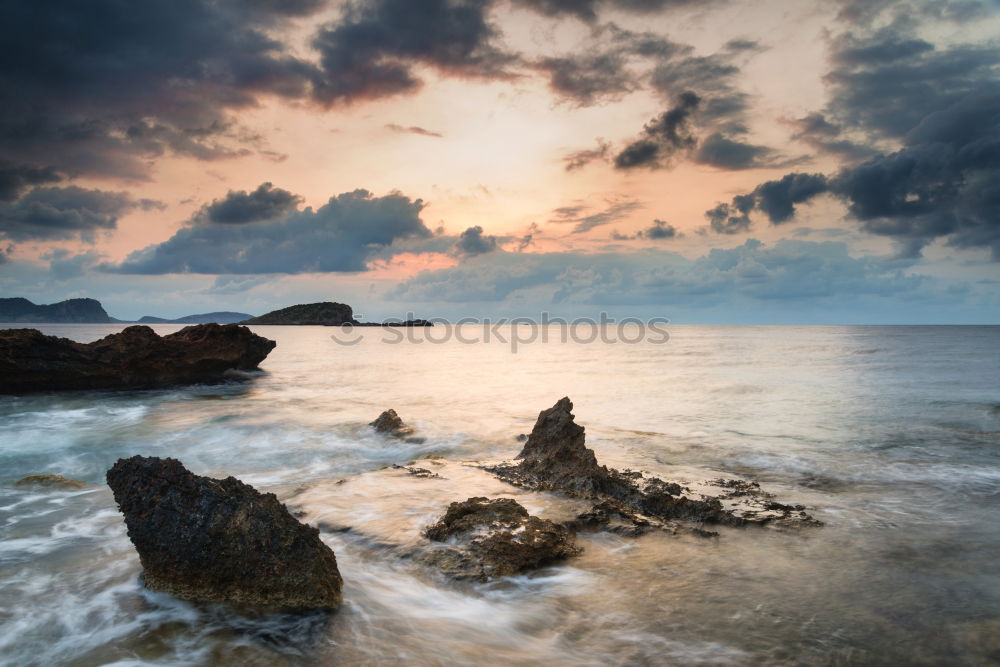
[890, 435]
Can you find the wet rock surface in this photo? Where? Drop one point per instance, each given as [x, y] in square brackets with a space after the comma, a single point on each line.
[495, 538]
[221, 541]
[50, 481]
[135, 358]
[556, 458]
[389, 423]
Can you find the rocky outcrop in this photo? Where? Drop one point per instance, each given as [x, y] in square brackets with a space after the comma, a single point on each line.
[19, 309]
[50, 481]
[389, 423]
[212, 540]
[555, 457]
[495, 538]
[323, 313]
[135, 358]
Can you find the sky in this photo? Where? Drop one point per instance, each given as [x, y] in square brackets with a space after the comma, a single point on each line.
[706, 161]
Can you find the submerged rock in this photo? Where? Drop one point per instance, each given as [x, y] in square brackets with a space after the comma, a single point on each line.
[57, 481]
[135, 358]
[390, 423]
[556, 458]
[211, 540]
[496, 538]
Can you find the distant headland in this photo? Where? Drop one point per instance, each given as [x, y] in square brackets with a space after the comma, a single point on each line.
[90, 311]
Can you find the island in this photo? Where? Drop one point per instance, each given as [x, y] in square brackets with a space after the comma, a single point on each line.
[325, 313]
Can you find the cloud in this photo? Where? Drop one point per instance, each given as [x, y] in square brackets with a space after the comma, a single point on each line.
[615, 210]
[658, 231]
[777, 199]
[820, 134]
[236, 284]
[790, 271]
[55, 213]
[412, 129]
[15, 179]
[662, 137]
[588, 79]
[580, 159]
[341, 236]
[265, 203]
[733, 218]
[587, 10]
[939, 109]
[102, 87]
[717, 150]
[63, 265]
[528, 238]
[372, 50]
[473, 242]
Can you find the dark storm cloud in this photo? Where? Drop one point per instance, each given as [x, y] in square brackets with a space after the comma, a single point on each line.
[96, 88]
[53, 213]
[372, 50]
[580, 159]
[473, 242]
[732, 218]
[15, 179]
[412, 129]
[340, 236]
[941, 109]
[717, 150]
[587, 10]
[585, 222]
[265, 203]
[662, 137]
[708, 119]
[658, 231]
[777, 199]
[875, 89]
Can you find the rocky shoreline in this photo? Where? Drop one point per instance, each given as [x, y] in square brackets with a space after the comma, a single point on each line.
[221, 541]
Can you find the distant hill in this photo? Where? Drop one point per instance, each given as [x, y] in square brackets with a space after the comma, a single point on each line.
[326, 312]
[82, 311]
[222, 317]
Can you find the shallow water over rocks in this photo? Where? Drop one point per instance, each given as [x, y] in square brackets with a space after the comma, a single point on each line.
[889, 435]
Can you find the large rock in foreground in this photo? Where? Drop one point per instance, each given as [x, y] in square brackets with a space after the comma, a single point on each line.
[135, 358]
[211, 540]
[556, 458]
[496, 538]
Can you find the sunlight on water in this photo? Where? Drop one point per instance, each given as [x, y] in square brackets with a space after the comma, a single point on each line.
[891, 436]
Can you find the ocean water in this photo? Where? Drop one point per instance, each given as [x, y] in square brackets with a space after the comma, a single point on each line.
[890, 436]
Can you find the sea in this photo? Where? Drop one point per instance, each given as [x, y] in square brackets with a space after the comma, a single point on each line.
[889, 435]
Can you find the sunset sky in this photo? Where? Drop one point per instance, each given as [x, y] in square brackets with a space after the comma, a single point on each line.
[705, 161]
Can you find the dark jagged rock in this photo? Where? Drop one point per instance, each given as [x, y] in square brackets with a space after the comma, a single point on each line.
[135, 358]
[390, 423]
[423, 473]
[496, 538]
[212, 540]
[556, 458]
[19, 309]
[50, 481]
[323, 313]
